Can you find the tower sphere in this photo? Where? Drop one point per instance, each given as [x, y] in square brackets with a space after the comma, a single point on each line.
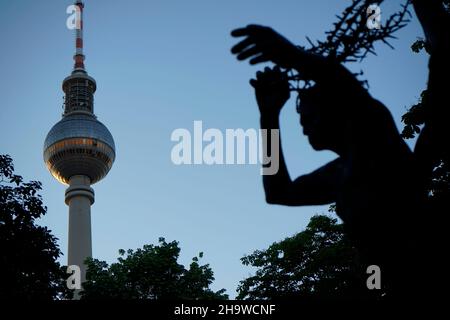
[79, 144]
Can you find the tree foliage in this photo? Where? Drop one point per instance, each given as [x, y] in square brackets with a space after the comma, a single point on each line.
[416, 115]
[29, 252]
[150, 273]
[414, 119]
[319, 261]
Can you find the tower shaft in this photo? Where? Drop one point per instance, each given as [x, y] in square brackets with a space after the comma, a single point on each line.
[79, 198]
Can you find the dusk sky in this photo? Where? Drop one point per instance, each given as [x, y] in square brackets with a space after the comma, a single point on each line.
[160, 65]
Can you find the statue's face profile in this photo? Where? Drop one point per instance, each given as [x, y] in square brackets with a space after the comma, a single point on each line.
[316, 125]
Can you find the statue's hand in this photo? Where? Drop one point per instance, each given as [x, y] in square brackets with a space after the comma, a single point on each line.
[264, 44]
[271, 90]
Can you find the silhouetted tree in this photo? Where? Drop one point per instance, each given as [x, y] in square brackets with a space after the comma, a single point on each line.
[150, 273]
[416, 117]
[429, 120]
[28, 252]
[319, 261]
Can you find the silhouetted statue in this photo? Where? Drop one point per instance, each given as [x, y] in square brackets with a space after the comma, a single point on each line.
[373, 181]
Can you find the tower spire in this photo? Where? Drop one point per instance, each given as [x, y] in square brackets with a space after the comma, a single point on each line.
[79, 56]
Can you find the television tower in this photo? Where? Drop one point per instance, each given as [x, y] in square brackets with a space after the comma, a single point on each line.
[79, 151]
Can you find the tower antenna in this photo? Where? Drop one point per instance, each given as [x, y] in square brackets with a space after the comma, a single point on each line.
[79, 56]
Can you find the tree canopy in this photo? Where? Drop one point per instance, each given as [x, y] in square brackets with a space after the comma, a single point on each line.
[29, 252]
[319, 261]
[151, 272]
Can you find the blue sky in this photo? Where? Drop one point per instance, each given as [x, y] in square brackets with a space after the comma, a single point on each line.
[160, 65]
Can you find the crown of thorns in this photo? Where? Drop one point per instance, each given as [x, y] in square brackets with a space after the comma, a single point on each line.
[351, 40]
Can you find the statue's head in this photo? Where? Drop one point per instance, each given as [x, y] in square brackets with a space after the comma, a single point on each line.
[320, 118]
